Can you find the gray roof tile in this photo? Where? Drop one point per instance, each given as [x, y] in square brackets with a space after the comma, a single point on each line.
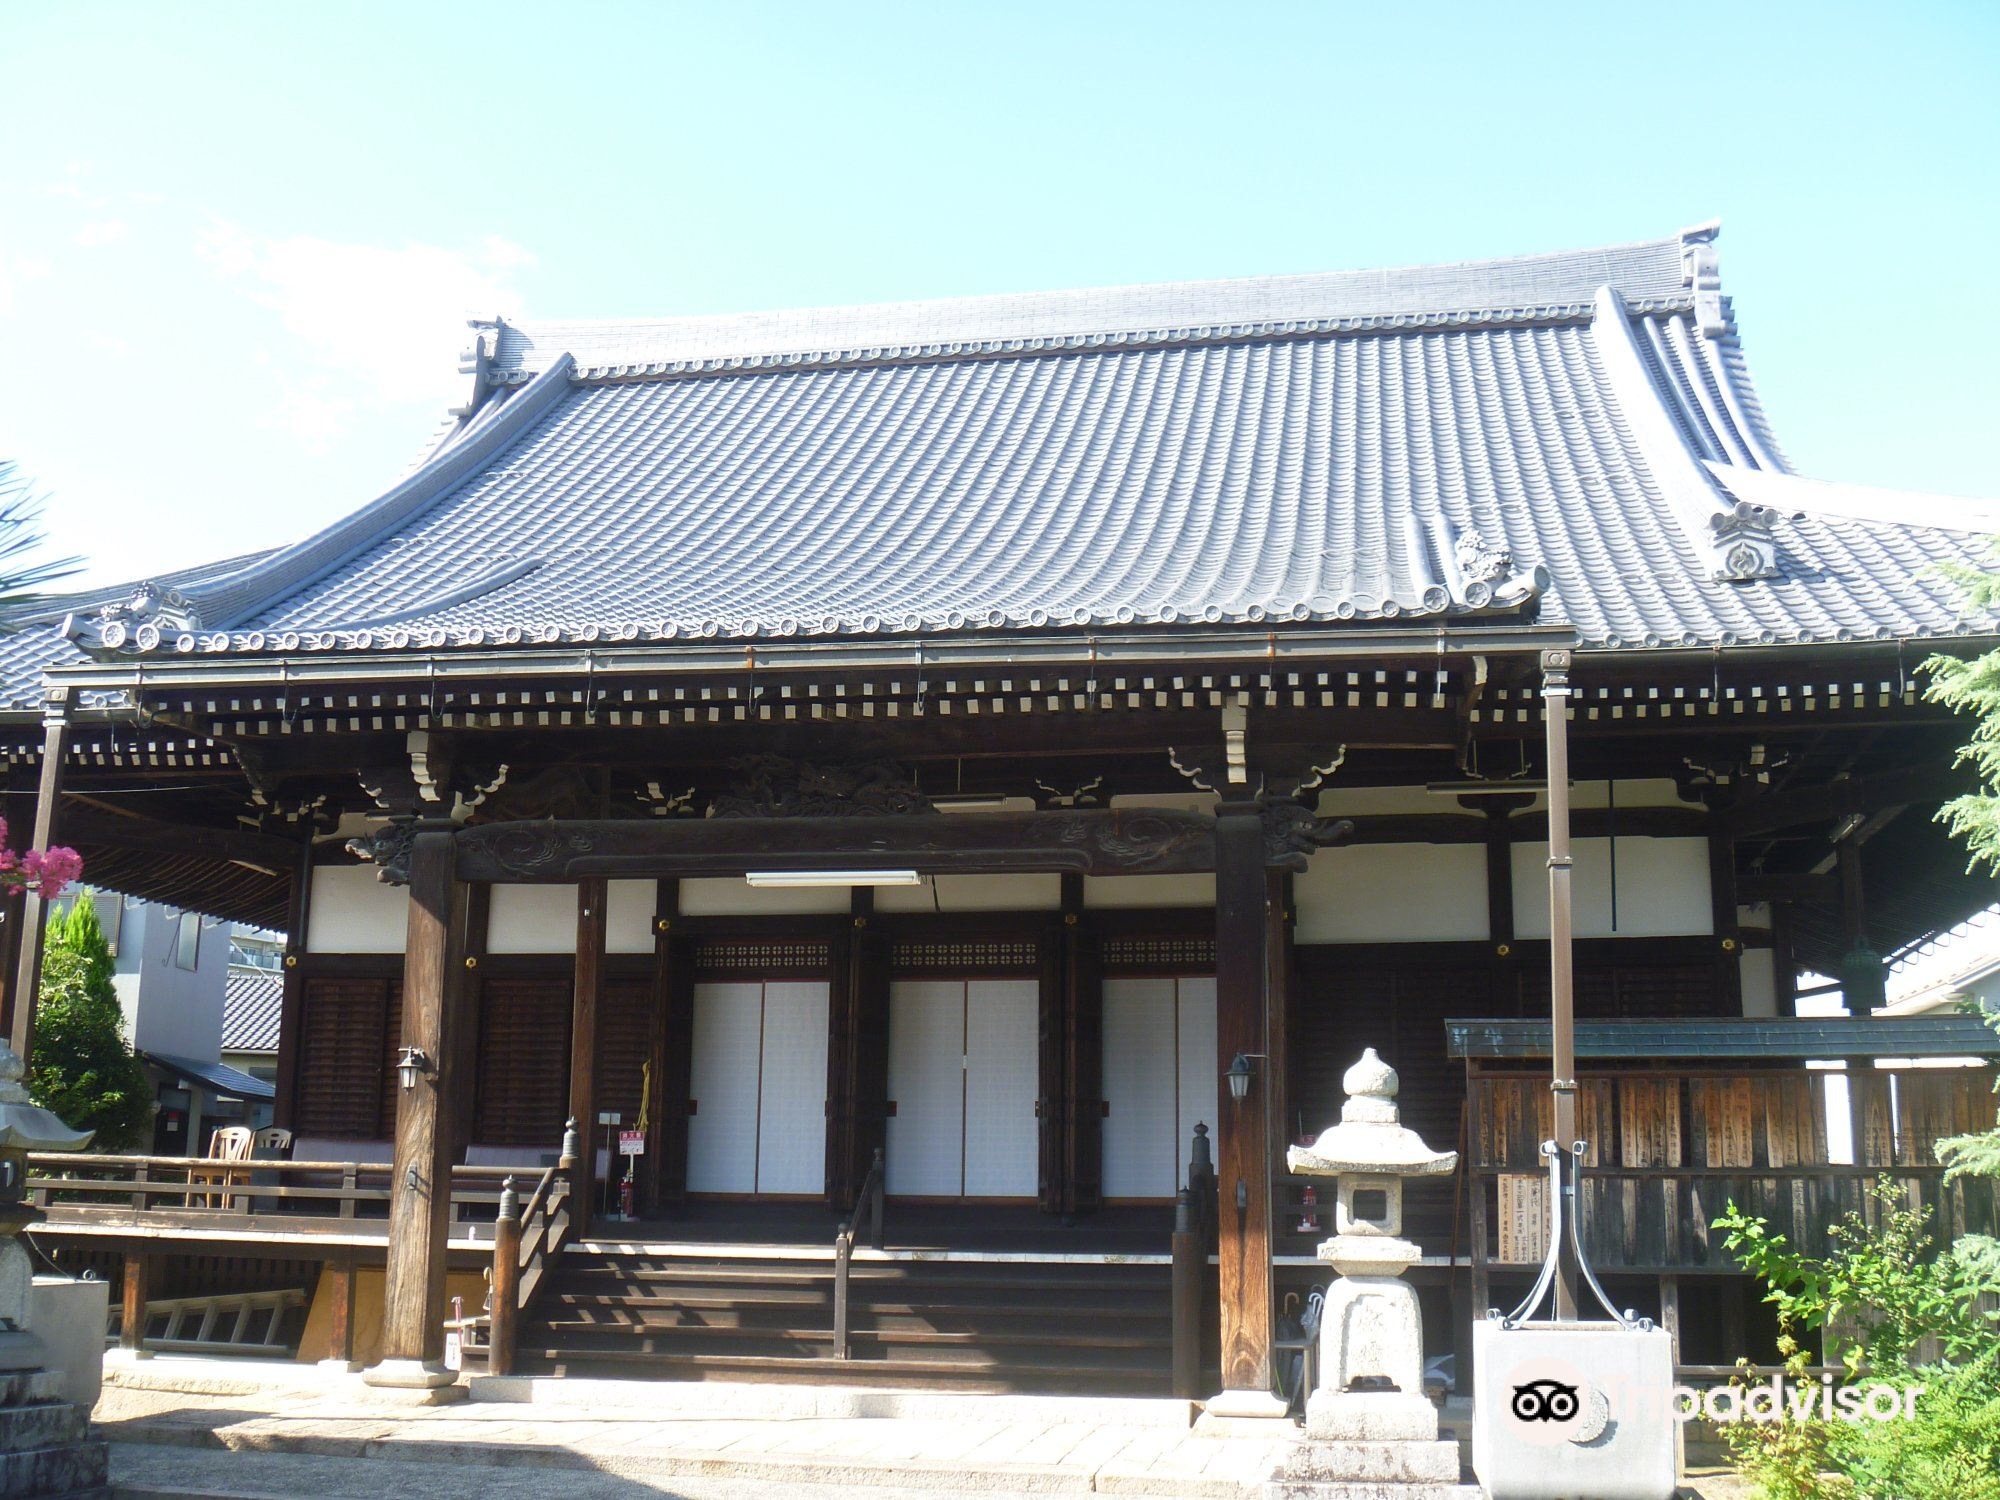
[1342, 447]
[251, 1005]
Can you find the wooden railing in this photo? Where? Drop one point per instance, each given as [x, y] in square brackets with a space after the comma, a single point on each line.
[195, 1192]
[1669, 1150]
[527, 1239]
[868, 1201]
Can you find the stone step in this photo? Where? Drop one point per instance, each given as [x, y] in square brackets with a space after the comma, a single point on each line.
[55, 1470]
[47, 1424]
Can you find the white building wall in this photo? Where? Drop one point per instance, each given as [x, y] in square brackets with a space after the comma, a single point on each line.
[1393, 893]
[1653, 888]
[353, 912]
[179, 1011]
[542, 918]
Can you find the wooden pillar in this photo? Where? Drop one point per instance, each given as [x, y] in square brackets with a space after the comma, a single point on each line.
[1081, 1057]
[591, 901]
[340, 1280]
[135, 1295]
[34, 910]
[292, 1007]
[472, 1007]
[413, 1303]
[1784, 962]
[673, 1046]
[858, 1084]
[1243, 1128]
[1278, 1013]
[11, 903]
[1727, 924]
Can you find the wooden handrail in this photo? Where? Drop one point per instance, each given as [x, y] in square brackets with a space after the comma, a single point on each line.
[526, 1240]
[869, 1201]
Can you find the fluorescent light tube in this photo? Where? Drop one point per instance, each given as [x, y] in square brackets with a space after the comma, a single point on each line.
[796, 878]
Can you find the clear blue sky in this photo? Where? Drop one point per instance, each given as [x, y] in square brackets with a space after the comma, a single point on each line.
[237, 241]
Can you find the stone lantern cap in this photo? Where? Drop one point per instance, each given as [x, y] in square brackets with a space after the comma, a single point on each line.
[24, 1125]
[1370, 1139]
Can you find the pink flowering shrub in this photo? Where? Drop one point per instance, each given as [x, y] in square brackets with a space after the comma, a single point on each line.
[46, 872]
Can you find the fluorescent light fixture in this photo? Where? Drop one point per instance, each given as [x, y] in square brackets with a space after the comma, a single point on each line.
[971, 803]
[1476, 788]
[792, 879]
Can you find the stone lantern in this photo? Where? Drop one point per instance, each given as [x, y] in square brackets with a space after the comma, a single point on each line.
[1368, 1419]
[41, 1433]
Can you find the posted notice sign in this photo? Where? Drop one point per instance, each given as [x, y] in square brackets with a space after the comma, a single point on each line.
[631, 1143]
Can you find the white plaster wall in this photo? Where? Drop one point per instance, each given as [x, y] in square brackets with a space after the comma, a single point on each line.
[1760, 982]
[629, 923]
[179, 1011]
[973, 893]
[1148, 890]
[531, 919]
[732, 896]
[353, 912]
[1661, 888]
[1393, 893]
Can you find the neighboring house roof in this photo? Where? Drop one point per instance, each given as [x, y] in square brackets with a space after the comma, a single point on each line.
[250, 1009]
[214, 1075]
[1948, 970]
[1568, 437]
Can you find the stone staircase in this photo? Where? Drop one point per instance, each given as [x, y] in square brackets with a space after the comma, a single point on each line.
[980, 1325]
[47, 1447]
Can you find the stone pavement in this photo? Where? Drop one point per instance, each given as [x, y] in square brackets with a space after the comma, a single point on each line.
[211, 1427]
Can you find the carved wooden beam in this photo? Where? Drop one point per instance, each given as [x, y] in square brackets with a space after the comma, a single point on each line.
[1084, 841]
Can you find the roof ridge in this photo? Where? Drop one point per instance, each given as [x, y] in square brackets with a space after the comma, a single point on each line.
[1643, 270]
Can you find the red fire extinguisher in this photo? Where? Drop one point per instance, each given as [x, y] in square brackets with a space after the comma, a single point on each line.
[625, 1192]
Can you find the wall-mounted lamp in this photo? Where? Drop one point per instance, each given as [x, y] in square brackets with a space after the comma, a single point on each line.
[412, 1065]
[1241, 1073]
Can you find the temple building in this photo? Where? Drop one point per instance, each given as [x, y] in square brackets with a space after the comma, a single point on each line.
[966, 761]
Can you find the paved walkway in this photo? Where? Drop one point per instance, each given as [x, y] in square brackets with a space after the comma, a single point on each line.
[209, 1436]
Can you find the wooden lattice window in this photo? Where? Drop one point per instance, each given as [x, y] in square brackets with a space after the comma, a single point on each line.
[1159, 953]
[347, 1037]
[743, 957]
[970, 955]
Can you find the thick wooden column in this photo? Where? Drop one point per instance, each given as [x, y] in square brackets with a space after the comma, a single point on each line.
[673, 978]
[591, 900]
[858, 1076]
[1082, 1042]
[1727, 923]
[1278, 991]
[413, 1304]
[292, 1008]
[1243, 1128]
[27, 977]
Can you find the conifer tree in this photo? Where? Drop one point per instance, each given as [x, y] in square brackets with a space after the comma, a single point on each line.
[83, 1067]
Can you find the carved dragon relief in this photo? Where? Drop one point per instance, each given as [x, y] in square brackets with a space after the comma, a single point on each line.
[388, 848]
[1292, 831]
[776, 786]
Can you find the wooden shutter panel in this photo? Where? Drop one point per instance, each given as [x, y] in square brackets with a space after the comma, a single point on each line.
[392, 1048]
[344, 1050]
[624, 1037]
[523, 1062]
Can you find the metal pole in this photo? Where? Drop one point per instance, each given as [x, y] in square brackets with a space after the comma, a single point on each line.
[1562, 1003]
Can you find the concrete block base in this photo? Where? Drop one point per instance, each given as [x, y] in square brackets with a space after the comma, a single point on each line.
[1370, 1416]
[1381, 1462]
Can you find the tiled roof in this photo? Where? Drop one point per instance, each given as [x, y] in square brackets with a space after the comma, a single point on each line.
[250, 1008]
[1571, 437]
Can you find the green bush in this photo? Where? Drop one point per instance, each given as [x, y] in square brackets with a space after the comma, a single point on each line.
[1912, 1317]
[83, 1068]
